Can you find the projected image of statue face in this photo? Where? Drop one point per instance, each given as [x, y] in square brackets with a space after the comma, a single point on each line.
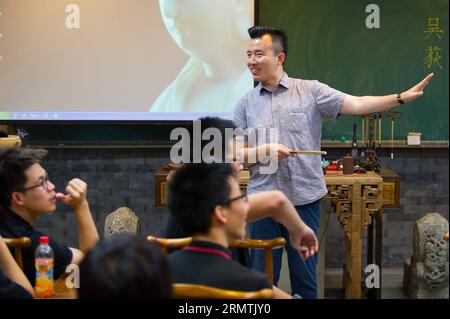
[214, 36]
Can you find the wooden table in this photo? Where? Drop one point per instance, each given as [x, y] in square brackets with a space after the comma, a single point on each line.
[356, 199]
[61, 291]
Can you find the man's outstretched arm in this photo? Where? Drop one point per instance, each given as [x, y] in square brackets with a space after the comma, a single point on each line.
[359, 105]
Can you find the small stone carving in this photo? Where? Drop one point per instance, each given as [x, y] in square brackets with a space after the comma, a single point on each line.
[122, 220]
[426, 273]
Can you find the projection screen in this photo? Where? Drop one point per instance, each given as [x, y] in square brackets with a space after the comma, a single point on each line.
[122, 60]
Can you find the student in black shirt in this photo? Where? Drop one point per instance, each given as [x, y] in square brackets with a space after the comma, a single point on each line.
[13, 283]
[207, 202]
[27, 193]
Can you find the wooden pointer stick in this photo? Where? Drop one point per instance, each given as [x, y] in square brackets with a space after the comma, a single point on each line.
[308, 152]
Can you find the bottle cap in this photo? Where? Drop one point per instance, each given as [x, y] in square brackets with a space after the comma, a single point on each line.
[43, 240]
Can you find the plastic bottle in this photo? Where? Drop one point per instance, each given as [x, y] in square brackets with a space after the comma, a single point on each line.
[43, 258]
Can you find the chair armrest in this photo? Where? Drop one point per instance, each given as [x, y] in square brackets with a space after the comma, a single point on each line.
[170, 242]
[259, 243]
[200, 291]
[18, 242]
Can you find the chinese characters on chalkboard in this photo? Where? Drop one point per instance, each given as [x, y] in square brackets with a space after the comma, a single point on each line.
[433, 34]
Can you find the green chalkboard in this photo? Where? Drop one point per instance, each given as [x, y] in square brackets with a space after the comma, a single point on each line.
[329, 41]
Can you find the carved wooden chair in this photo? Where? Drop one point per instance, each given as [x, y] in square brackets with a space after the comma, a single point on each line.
[18, 244]
[190, 291]
[267, 245]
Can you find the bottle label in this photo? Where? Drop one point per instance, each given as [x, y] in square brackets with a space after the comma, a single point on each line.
[44, 277]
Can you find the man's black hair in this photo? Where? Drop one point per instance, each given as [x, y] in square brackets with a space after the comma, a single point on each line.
[279, 37]
[222, 125]
[125, 266]
[13, 164]
[194, 192]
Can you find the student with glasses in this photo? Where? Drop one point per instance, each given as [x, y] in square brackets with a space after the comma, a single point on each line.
[213, 218]
[26, 193]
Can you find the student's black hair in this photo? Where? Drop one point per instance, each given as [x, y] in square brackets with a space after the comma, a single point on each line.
[125, 266]
[278, 35]
[13, 164]
[194, 192]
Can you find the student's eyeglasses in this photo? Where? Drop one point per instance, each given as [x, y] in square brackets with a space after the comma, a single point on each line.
[243, 196]
[43, 183]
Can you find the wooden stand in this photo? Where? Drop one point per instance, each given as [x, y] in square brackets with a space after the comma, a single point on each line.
[391, 188]
[355, 198]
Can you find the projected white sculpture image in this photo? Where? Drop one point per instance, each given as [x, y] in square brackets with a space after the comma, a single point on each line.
[214, 36]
